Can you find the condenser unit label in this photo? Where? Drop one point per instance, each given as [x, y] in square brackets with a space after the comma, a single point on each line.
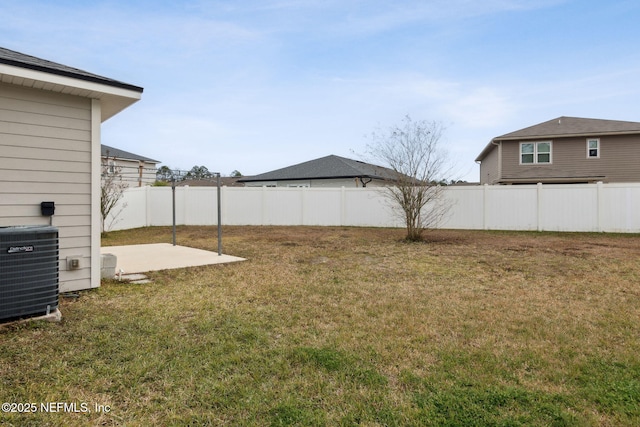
[19, 249]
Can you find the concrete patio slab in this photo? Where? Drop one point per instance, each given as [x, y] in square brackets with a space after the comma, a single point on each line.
[162, 256]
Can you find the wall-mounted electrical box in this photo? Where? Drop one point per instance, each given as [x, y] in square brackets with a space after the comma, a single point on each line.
[48, 208]
[73, 262]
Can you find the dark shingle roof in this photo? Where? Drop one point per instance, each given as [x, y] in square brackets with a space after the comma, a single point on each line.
[325, 168]
[105, 151]
[17, 59]
[573, 126]
[566, 127]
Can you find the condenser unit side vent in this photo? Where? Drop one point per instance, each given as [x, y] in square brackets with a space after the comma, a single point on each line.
[29, 278]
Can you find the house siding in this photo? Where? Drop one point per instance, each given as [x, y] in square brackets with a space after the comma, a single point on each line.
[130, 172]
[45, 155]
[347, 183]
[490, 167]
[617, 162]
[317, 183]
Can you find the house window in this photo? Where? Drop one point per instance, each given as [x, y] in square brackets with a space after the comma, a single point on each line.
[535, 152]
[593, 148]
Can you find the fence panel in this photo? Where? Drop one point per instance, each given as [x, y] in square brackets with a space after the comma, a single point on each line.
[242, 205]
[582, 207]
[282, 206]
[130, 212]
[620, 207]
[159, 206]
[321, 207]
[569, 207]
[200, 206]
[367, 208]
[465, 208]
[511, 207]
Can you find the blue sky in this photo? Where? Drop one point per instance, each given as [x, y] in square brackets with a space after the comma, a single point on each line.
[259, 85]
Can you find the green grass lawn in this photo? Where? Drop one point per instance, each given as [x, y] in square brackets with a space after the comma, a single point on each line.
[346, 326]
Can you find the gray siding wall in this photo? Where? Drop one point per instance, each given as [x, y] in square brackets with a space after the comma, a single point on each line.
[45, 155]
[618, 160]
[489, 167]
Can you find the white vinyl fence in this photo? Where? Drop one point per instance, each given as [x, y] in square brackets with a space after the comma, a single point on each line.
[571, 207]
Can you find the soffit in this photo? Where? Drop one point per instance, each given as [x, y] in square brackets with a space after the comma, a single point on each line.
[112, 99]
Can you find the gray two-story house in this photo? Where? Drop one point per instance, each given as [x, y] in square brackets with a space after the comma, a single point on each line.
[564, 150]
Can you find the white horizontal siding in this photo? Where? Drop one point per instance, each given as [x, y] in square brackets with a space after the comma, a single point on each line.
[43, 102]
[28, 189]
[43, 142]
[45, 155]
[41, 176]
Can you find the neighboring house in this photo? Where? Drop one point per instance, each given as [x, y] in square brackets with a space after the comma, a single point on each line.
[135, 170]
[50, 118]
[329, 171]
[564, 150]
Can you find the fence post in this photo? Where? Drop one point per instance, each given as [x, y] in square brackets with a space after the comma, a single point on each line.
[185, 204]
[219, 220]
[263, 204]
[485, 189]
[303, 207]
[147, 209]
[600, 207]
[539, 205]
[173, 204]
[343, 207]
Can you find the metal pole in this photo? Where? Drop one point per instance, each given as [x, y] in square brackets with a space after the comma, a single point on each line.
[219, 219]
[173, 192]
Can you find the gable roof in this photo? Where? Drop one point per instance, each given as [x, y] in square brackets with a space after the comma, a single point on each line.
[329, 167]
[563, 127]
[105, 151]
[26, 70]
[573, 126]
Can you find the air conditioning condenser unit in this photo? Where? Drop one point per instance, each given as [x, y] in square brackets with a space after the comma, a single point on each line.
[28, 271]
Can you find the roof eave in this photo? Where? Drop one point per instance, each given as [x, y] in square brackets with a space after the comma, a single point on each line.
[114, 96]
[70, 73]
[551, 179]
[257, 179]
[486, 150]
[571, 135]
[137, 160]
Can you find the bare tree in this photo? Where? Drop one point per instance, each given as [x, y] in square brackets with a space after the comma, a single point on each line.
[111, 190]
[412, 150]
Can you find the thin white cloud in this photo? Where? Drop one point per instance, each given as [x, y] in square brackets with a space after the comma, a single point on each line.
[370, 17]
[480, 107]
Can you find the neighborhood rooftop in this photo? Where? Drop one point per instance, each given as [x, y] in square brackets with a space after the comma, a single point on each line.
[17, 59]
[574, 126]
[566, 127]
[328, 167]
[107, 151]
